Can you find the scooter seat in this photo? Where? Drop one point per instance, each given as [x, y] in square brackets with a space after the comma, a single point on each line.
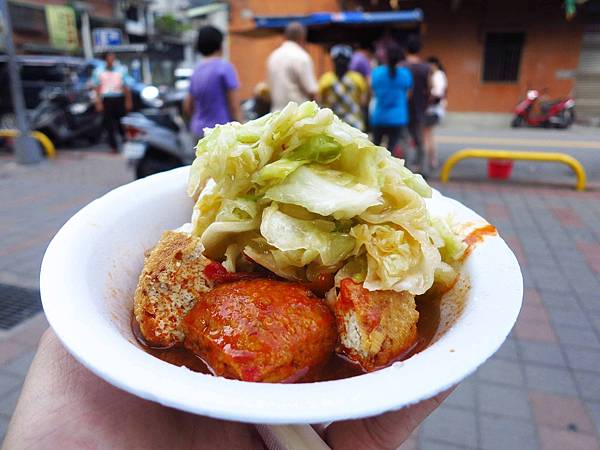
[546, 106]
[161, 118]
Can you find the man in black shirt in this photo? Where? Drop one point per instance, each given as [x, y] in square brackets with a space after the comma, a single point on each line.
[419, 100]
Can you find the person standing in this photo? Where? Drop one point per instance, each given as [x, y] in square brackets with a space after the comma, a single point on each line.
[361, 63]
[113, 96]
[344, 91]
[391, 86]
[212, 96]
[361, 60]
[436, 109]
[290, 69]
[419, 100]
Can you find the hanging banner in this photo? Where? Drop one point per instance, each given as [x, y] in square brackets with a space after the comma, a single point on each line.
[62, 26]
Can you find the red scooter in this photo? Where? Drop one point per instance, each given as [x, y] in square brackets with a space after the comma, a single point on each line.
[555, 113]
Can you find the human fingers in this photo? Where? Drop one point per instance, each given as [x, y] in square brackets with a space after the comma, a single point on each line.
[386, 431]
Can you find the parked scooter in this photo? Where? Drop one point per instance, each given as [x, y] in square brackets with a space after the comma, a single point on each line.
[555, 113]
[65, 115]
[157, 138]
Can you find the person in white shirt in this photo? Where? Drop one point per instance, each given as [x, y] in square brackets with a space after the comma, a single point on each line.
[436, 109]
[290, 70]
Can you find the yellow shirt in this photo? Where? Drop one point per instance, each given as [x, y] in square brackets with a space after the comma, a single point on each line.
[328, 79]
[346, 97]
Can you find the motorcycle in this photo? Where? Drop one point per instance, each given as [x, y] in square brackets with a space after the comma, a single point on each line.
[555, 113]
[156, 138]
[65, 115]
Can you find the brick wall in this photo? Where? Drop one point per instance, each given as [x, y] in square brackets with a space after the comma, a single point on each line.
[249, 54]
[551, 44]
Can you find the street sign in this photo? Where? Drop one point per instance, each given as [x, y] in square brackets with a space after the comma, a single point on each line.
[107, 37]
[62, 26]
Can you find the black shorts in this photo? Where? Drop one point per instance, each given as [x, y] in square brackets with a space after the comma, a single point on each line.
[431, 119]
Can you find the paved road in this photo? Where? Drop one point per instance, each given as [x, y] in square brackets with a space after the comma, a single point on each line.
[540, 391]
[580, 142]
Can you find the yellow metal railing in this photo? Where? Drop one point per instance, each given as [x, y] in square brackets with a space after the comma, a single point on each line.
[45, 142]
[510, 154]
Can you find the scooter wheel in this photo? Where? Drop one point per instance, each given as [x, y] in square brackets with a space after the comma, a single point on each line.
[517, 122]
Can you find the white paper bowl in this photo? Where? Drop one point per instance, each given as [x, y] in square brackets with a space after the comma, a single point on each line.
[90, 271]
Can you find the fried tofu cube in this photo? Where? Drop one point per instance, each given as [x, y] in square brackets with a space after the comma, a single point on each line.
[375, 327]
[170, 283]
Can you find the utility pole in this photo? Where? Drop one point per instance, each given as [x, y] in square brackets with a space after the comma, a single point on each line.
[27, 149]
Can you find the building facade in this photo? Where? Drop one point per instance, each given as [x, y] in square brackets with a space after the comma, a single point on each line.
[492, 50]
[249, 54]
[30, 27]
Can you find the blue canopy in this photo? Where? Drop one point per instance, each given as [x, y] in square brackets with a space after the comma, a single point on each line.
[414, 16]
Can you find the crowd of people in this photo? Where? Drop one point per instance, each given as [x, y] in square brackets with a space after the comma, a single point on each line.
[388, 90]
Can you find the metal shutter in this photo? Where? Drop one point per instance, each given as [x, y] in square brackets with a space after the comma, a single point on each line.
[587, 90]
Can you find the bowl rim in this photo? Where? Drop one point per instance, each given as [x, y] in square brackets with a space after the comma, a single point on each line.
[493, 304]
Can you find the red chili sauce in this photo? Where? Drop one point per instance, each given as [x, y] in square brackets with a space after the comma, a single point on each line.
[337, 367]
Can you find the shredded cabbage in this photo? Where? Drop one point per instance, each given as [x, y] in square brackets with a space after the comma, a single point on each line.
[325, 192]
[300, 192]
[303, 241]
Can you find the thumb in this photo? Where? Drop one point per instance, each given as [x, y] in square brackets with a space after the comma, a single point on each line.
[386, 431]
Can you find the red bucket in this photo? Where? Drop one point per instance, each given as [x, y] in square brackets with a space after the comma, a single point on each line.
[500, 169]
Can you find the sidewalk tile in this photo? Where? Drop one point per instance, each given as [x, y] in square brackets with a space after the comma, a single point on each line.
[550, 379]
[560, 300]
[508, 350]
[591, 251]
[505, 433]
[594, 411]
[534, 330]
[501, 371]
[572, 317]
[567, 217]
[503, 400]
[595, 319]
[412, 443]
[31, 331]
[583, 358]
[590, 300]
[515, 245]
[427, 444]
[582, 335]
[534, 312]
[20, 365]
[541, 352]
[464, 395]
[560, 412]
[8, 382]
[589, 384]
[8, 402]
[9, 349]
[497, 212]
[4, 420]
[552, 439]
[452, 426]
[531, 296]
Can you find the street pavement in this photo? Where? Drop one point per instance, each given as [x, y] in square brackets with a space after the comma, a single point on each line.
[540, 391]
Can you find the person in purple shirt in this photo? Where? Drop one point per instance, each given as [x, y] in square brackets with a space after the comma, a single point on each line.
[212, 98]
[361, 62]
